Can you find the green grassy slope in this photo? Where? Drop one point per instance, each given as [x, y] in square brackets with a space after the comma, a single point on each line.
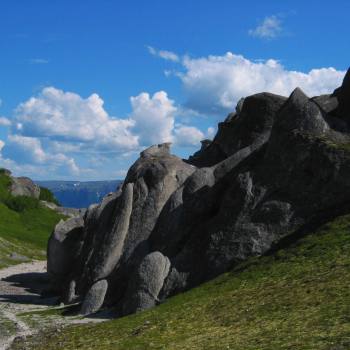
[298, 298]
[24, 226]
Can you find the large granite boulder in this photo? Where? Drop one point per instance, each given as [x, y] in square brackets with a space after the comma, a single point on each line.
[276, 167]
[116, 232]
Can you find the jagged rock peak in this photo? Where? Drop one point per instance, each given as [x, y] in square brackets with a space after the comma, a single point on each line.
[298, 96]
[302, 114]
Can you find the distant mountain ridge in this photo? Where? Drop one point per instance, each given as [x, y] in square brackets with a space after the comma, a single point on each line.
[80, 194]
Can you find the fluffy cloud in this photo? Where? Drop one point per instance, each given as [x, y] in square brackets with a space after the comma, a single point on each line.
[49, 131]
[153, 117]
[28, 150]
[66, 116]
[73, 123]
[25, 149]
[188, 136]
[214, 84]
[270, 28]
[52, 129]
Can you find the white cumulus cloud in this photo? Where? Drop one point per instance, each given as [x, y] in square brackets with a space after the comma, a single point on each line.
[188, 136]
[29, 151]
[66, 116]
[63, 132]
[214, 84]
[154, 117]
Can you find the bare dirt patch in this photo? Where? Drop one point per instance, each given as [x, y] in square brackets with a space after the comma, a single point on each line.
[21, 301]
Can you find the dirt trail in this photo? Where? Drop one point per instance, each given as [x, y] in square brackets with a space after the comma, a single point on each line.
[17, 295]
[20, 288]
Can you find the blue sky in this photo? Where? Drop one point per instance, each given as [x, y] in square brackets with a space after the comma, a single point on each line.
[85, 85]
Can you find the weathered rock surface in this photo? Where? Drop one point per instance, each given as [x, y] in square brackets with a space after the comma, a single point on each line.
[146, 283]
[110, 246]
[276, 166]
[94, 298]
[23, 186]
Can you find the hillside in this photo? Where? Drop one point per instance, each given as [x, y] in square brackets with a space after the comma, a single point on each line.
[296, 298]
[25, 226]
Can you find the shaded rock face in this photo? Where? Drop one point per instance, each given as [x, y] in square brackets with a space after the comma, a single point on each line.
[252, 120]
[276, 167]
[63, 250]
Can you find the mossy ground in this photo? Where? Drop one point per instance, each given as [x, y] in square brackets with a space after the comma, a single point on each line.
[24, 231]
[298, 298]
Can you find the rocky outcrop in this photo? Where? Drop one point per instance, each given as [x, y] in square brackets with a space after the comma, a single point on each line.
[277, 166]
[252, 120]
[24, 186]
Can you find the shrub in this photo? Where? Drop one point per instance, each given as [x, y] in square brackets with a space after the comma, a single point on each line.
[48, 196]
[5, 183]
[21, 203]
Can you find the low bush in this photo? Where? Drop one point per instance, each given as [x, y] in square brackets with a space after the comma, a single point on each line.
[48, 196]
[21, 203]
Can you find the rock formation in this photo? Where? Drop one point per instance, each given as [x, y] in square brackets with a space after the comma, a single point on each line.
[276, 166]
[24, 186]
